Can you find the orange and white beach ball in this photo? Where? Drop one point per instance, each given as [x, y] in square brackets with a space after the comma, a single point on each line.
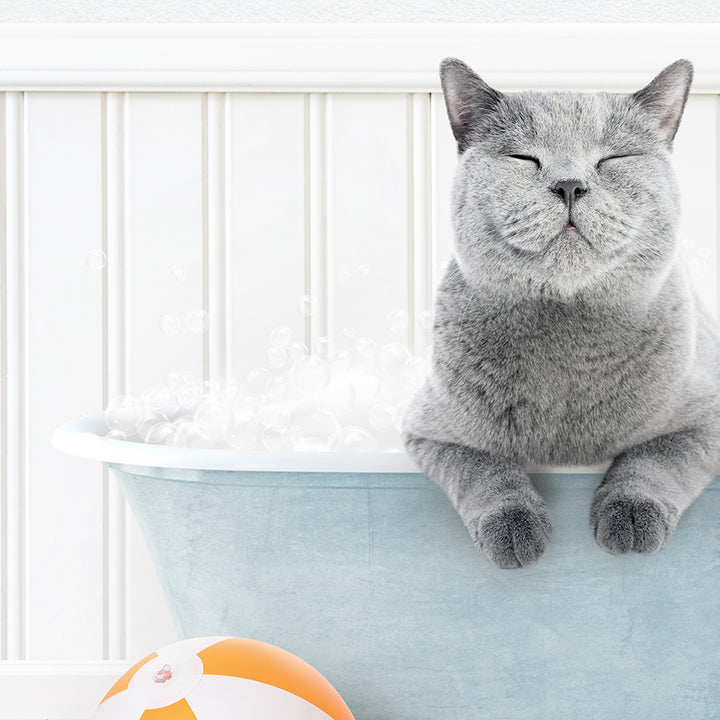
[222, 678]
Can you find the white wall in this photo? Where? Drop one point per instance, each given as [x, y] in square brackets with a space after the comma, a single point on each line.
[376, 11]
[266, 163]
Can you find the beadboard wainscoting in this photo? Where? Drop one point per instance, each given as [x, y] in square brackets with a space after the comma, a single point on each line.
[232, 170]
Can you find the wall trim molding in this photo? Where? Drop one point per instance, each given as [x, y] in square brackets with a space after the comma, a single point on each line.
[347, 57]
[55, 690]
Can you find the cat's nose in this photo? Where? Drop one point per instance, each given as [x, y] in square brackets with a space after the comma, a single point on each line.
[569, 190]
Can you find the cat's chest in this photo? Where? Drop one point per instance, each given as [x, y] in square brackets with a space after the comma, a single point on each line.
[556, 387]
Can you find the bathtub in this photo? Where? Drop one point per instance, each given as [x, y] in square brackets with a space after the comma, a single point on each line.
[359, 565]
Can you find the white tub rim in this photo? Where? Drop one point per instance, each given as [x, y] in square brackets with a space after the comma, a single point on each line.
[85, 437]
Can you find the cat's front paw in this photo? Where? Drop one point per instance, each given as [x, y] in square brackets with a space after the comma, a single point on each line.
[513, 533]
[625, 521]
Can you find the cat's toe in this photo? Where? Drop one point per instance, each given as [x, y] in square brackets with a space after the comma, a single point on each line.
[513, 534]
[624, 522]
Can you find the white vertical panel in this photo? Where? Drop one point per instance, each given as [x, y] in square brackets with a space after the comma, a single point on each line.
[421, 300]
[444, 161]
[368, 235]
[14, 435]
[64, 347]
[266, 136]
[216, 210]
[164, 228]
[115, 631]
[696, 158]
[3, 386]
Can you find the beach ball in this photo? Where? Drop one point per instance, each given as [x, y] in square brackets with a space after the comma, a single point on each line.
[222, 678]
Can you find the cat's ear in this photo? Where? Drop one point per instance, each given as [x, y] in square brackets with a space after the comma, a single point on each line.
[666, 95]
[467, 98]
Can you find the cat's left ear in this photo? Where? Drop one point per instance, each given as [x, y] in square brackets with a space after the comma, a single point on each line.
[666, 95]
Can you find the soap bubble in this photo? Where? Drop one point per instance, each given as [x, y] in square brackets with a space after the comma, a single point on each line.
[392, 358]
[170, 324]
[116, 435]
[243, 436]
[397, 321]
[213, 416]
[349, 332]
[364, 269]
[276, 357]
[365, 347]
[281, 336]
[158, 434]
[275, 438]
[188, 394]
[275, 415]
[122, 414]
[382, 417]
[257, 378]
[324, 347]
[276, 387]
[354, 439]
[198, 321]
[178, 271]
[95, 259]
[190, 434]
[146, 420]
[425, 320]
[344, 275]
[399, 414]
[244, 409]
[338, 396]
[307, 305]
[297, 350]
[366, 383]
[227, 388]
[310, 374]
[312, 429]
[342, 360]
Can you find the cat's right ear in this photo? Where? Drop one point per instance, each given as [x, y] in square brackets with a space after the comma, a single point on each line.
[467, 98]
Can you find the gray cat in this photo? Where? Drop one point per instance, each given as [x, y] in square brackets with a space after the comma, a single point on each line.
[566, 331]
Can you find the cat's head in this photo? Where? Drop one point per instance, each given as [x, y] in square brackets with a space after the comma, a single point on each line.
[561, 191]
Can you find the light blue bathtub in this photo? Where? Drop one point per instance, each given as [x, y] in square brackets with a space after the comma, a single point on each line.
[360, 566]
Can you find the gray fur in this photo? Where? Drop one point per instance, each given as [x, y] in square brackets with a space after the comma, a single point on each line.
[557, 346]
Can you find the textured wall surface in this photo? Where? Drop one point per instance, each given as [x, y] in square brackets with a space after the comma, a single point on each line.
[302, 11]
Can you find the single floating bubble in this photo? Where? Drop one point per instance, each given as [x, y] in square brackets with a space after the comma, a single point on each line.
[198, 321]
[227, 388]
[257, 378]
[398, 321]
[178, 271]
[392, 358]
[425, 320]
[312, 429]
[307, 305]
[297, 350]
[324, 347]
[344, 275]
[276, 357]
[188, 394]
[355, 439]
[281, 336]
[342, 360]
[122, 414]
[365, 347]
[276, 387]
[159, 433]
[95, 259]
[310, 374]
[364, 269]
[382, 417]
[275, 438]
[116, 435]
[170, 324]
[338, 397]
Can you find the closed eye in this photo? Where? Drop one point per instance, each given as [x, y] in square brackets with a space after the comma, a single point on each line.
[615, 157]
[526, 157]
